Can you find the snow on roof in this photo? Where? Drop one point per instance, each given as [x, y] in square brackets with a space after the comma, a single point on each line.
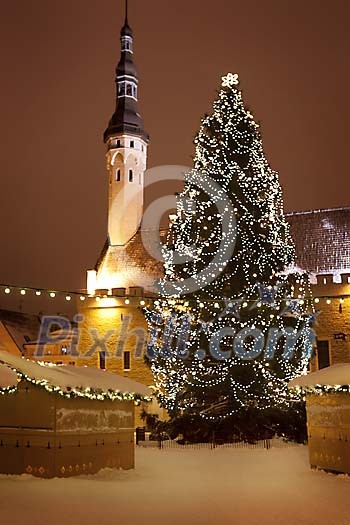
[79, 378]
[8, 378]
[335, 375]
[322, 240]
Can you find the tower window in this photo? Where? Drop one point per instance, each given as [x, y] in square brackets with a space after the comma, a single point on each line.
[118, 143]
[118, 175]
[126, 43]
[121, 90]
[140, 178]
[132, 144]
[126, 360]
[129, 90]
[131, 176]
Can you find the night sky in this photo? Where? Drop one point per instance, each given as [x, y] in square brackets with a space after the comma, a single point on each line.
[57, 94]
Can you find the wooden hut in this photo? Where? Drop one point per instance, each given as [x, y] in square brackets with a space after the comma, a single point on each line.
[328, 416]
[65, 420]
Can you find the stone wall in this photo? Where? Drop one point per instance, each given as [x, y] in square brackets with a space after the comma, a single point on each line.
[332, 300]
[120, 328]
[122, 325]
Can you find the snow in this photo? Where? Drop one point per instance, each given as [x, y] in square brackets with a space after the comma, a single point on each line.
[335, 375]
[67, 377]
[187, 487]
[8, 378]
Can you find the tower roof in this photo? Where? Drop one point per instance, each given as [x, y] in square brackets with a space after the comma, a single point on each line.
[126, 118]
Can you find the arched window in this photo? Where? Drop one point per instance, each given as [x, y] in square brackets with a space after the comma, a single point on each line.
[118, 175]
[131, 176]
[140, 178]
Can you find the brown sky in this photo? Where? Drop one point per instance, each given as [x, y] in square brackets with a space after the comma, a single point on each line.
[57, 94]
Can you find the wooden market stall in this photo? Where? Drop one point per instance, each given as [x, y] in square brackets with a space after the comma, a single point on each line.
[328, 416]
[65, 420]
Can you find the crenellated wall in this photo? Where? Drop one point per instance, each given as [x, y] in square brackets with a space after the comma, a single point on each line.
[332, 299]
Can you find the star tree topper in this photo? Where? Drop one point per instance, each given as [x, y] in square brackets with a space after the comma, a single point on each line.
[230, 80]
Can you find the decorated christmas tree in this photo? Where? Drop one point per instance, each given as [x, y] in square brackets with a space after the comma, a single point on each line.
[232, 325]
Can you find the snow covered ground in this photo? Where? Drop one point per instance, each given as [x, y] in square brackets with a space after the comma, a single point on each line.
[194, 487]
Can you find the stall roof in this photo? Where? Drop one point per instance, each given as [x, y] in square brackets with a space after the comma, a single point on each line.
[335, 375]
[70, 379]
[8, 378]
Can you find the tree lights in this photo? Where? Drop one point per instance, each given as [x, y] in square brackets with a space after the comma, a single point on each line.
[207, 337]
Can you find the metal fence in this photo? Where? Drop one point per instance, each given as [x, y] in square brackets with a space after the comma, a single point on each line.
[169, 444]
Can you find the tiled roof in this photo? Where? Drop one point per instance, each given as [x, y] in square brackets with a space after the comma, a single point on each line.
[322, 240]
[136, 263]
[21, 327]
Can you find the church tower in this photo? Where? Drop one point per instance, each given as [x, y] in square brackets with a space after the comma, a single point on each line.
[124, 262]
[126, 142]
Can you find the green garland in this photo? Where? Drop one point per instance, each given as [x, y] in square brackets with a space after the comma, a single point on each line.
[8, 390]
[321, 390]
[71, 393]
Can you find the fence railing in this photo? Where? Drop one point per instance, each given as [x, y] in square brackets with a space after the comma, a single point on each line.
[169, 444]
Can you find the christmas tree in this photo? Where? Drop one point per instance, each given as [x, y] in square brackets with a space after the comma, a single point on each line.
[231, 327]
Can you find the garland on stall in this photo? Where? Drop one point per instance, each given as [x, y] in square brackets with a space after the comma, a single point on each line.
[71, 393]
[320, 390]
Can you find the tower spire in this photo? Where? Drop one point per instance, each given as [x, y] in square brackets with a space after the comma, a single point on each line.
[126, 118]
[126, 12]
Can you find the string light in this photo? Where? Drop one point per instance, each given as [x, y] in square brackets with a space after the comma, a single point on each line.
[322, 389]
[74, 392]
[8, 289]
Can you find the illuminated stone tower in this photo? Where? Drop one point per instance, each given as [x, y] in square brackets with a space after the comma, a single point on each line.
[124, 262]
[126, 142]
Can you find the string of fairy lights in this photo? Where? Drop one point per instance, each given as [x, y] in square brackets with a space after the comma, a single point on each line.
[74, 392]
[8, 289]
[320, 390]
